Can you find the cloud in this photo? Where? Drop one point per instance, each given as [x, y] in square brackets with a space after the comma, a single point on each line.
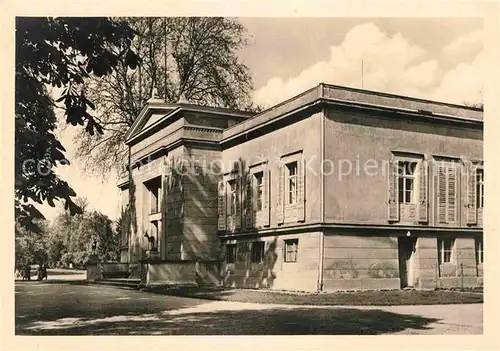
[422, 75]
[386, 60]
[391, 64]
[464, 83]
[465, 45]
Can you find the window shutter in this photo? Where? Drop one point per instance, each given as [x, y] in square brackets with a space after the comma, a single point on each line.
[266, 213]
[423, 192]
[452, 194]
[237, 217]
[471, 206]
[393, 199]
[301, 172]
[441, 193]
[249, 213]
[280, 214]
[222, 224]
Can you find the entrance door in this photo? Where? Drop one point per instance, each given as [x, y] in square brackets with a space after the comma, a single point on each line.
[406, 248]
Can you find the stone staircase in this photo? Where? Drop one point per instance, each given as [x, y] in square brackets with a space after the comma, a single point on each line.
[132, 283]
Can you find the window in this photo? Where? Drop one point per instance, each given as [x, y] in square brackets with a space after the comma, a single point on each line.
[291, 249]
[154, 189]
[447, 191]
[479, 251]
[480, 187]
[406, 179]
[232, 197]
[291, 169]
[445, 250]
[230, 253]
[257, 251]
[259, 190]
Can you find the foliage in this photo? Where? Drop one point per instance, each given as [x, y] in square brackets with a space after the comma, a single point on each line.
[124, 226]
[62, 53]
[201, 66]
[69, 239]
[31, 247]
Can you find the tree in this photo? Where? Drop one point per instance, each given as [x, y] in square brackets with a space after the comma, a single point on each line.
[31, 247]
[200, 66]
[62, 53]
[124, 226]
[79, 232]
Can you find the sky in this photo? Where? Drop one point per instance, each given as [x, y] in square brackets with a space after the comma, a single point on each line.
[434, 58]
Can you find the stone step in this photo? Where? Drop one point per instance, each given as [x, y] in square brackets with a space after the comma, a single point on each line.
[122, 282]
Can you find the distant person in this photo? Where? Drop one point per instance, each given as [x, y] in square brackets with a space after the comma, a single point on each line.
[27, 272]
[42, 271]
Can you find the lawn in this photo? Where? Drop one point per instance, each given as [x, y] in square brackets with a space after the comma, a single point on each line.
[358, 298]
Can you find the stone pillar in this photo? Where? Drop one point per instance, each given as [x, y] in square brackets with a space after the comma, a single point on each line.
[426, 263]
[94, 272]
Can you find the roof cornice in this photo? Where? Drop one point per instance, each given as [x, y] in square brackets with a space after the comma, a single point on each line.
[356, 98]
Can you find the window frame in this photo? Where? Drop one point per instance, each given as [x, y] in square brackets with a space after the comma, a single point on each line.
[262, 245]
[404, 177]
[258, 190]
[479, 187]
[293, 243]
[452, 166]
[291, 196]
[231, 194]
[479, 250]
[154, 188]
[234, 250]
[442, 251]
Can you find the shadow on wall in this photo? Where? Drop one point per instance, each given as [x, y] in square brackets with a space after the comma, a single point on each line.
[252, 275]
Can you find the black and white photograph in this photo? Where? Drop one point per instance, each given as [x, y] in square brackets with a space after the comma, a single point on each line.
[243, 175]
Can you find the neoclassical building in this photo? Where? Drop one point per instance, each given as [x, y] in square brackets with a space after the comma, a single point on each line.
[333, 189]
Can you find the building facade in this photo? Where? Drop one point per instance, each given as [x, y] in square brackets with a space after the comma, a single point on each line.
[334, 189]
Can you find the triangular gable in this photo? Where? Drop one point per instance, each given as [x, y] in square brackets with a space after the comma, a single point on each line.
[149, 115]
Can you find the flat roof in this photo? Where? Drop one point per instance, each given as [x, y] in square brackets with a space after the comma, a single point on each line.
[362, 98]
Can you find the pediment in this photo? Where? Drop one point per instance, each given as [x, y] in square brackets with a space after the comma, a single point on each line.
[151, 114]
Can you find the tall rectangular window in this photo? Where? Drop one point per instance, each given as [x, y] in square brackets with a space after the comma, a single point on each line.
[480, 188]
[406, 180]
[230, 253]
[479, 251]
[259, 190]
[447, 191]
[291, 250]
[445, 250]
[232, 197]
[154, 189]
[257, 251]
[291, 169]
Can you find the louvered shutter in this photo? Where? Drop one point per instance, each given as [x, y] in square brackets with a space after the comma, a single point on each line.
[280, 210]
[471, 206]
[423, 192]
[266, 209]
[237, 216]
[301, 172]
[393, 199]
[441, 186]
[249, 211]
[452, 194]
[221, 224]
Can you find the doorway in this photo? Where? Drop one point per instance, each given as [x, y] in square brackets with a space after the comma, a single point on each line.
[406, 250]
